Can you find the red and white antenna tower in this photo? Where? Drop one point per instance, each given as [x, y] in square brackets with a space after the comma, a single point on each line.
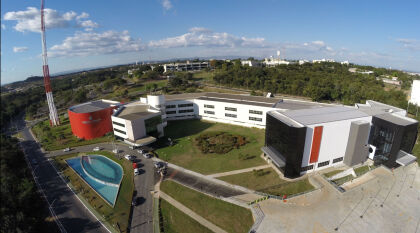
[54, 120]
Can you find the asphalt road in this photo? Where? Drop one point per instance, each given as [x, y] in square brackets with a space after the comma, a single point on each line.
[203, 185]
[72, 215]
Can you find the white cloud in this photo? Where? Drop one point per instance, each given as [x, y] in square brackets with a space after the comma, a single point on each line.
[206, 38]
[88, 24]
[410, 44]
[30, 19]
[313, 46]
[19, 49]
[167, 5]
[93, 43]
[3, 26]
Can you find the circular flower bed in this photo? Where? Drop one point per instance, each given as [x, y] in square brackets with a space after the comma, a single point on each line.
[219, 142]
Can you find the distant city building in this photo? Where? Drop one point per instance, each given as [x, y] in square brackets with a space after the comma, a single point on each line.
[354, 70]
[323, 60]
[188, 66]
[251, 63]
[344, 63]
[269, 62]
[301, 62]
[392, 81]
[415, 93]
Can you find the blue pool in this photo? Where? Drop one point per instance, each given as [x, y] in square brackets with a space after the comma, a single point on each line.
[101, 173]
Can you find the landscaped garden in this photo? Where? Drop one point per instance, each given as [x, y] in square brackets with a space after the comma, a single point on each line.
[268, 181]
[175, 221]
[60, 137]
[117, 216]
[230, 217]
[186, 152]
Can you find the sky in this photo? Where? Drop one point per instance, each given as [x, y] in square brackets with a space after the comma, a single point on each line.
[86, 34]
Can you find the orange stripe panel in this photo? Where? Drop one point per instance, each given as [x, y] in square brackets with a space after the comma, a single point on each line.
[316, 143]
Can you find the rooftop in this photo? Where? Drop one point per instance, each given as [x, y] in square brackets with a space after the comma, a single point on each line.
[133, 112]
[396, 119]
[93, 106]
[325, 114]
[373, 108]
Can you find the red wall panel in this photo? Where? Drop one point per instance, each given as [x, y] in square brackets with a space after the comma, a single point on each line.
[316, 143]
[91, 125]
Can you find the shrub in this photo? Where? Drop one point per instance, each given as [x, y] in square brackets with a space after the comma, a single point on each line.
[219, 142]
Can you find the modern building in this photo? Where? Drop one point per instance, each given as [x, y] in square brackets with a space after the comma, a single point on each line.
[188, 66]
[306, 140]
[92, 119]
[415, 93]
[138, 124]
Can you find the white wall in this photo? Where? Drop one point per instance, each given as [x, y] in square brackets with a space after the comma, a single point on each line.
[334, 140]
[415, 93]
[121, 121]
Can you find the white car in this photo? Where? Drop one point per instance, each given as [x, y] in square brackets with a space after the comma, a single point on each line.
[97, 148]
[147, 155]
[136, 171]
[67, 149]
[116, 151]
[142, 151]
[129, 157]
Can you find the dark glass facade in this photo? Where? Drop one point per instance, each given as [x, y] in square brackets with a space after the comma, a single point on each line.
[287, 140]
[389, 138]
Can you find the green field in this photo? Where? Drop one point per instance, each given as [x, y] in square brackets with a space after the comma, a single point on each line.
[332, 173]
[186, 154]
[142, 87]
[60, 137]
[230, 217]
[175, 221]
[268, 181]
[121, 211]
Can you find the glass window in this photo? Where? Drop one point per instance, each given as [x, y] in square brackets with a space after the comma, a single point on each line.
[255, 112]
[171, 106]
[323, 164]
[119, 124]
[170, 112]
[230, 109]
[209, 112]
[255, 119]
[119, 131]
[338, 160]
[184, 105]
[230, 115]
[186, 110]
[208, 106]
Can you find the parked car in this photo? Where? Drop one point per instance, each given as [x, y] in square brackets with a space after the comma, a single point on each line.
[127, 157]
[159, 165]
[67, 149]
[147, 155]
[116, 151]
[135, 201]
[136, 171]
[97, 148]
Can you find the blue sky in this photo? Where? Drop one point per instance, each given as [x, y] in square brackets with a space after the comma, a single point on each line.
[84, 34]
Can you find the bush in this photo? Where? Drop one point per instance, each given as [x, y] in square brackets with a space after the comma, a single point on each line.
[219, 142]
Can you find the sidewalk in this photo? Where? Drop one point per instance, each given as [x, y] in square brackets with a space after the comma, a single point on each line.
[238, 171]
[191, 213]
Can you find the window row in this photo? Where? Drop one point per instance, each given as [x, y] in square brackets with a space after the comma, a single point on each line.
[185, 110]
[255, 112]
[209, 112]
[307, 168]
[119, 131]
[323, 163]
[119, 124]
[171, 106]
[338, 160]
[170, 112]
[184, 105]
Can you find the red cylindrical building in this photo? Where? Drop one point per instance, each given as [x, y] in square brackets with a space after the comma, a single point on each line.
[93, 119]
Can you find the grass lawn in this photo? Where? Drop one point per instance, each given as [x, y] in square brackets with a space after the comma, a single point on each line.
[361, 170]
[160, 83]
[342, 180]
[332, 173]
[416, 151]
[206, 76]
[186, 153]
[268, 181]
[60, 137]
[175, 221]
[230, 217]
[121, 212]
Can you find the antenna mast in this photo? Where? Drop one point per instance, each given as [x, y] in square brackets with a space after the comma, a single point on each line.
[54, 120]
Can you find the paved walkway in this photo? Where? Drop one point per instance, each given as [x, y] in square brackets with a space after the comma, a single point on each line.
[191, 213]
[238, 171]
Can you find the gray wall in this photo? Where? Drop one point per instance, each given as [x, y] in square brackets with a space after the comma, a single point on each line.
[357, 150]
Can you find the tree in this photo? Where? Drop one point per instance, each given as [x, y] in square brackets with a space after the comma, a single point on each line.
[159, 69]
